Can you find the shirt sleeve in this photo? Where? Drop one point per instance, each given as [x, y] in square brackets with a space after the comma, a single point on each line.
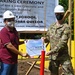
[47, 39]
[63, 41]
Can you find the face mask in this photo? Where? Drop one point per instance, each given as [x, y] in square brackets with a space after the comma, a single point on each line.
[59, 16]
[11, 24]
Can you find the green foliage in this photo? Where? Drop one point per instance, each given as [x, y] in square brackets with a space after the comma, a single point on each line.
[64, 3]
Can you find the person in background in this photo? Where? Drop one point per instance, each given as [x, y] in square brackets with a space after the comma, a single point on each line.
[9, 44]
[58, 35]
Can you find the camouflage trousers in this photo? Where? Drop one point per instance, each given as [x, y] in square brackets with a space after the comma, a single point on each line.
[58, 68]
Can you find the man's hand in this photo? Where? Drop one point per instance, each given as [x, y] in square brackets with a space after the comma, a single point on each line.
[25, 55]
[48, 53]
[43, 38]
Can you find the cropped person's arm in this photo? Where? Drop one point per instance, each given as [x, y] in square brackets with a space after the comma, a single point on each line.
[46, 38]
[14, 50]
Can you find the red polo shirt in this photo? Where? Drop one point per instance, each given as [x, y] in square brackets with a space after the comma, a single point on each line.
[7, 36]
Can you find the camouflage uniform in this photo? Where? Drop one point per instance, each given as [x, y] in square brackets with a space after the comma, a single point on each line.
[58, 37]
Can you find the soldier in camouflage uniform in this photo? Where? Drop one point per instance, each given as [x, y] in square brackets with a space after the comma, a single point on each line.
[58, 35]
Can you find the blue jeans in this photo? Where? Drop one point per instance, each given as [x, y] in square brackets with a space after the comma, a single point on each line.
[8, 69]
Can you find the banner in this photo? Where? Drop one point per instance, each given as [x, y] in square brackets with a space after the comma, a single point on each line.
[33, 14]
[34, 47]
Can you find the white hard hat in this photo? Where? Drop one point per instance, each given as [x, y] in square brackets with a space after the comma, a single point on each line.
[59, 9]
[8, 14]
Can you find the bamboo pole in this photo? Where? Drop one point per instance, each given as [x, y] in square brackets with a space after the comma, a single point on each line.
[69, 22]
[74, 37]
[27, 73]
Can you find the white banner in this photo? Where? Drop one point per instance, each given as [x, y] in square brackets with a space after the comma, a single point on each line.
[34, 47]
[29, 13]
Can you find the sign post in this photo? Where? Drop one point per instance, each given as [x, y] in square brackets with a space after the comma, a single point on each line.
[42, 62]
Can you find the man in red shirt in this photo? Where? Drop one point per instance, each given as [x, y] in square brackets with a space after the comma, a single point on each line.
[9, 45]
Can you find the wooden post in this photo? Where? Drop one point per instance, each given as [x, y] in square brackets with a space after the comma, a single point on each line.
[27, 73]
[70, 23]
[74, 37]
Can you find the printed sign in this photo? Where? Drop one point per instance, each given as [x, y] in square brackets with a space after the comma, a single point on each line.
[31, 14]
[34, 47]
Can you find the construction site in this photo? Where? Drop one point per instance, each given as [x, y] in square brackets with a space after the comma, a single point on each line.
[32, 21]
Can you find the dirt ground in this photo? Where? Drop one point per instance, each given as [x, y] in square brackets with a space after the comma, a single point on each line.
[23, 68]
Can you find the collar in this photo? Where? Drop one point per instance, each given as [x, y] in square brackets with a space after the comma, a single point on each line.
[59, 26]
